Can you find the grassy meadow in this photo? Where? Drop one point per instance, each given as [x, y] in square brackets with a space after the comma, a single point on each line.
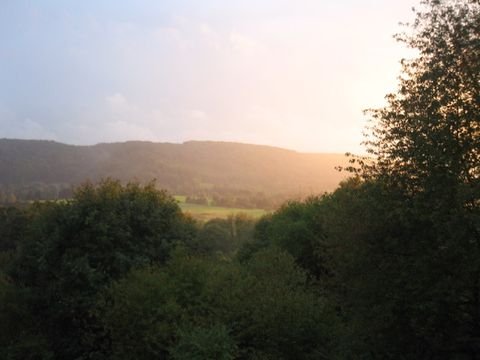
[208, 212]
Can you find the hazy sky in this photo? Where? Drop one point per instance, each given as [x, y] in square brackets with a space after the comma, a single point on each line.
[289, 73]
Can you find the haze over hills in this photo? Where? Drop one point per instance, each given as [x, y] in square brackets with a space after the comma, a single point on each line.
[189, 168]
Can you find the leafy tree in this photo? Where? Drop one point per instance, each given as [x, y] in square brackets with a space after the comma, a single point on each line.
[19, 338]
[205, 308]
[74, 249]
[140, 315]
[155, 312]
[297, 229]
[271, 311]
[408, 238]
[428, 136]
[225, 235]
[368, 242]
[205, 343]
[215, 236]
[13, 222]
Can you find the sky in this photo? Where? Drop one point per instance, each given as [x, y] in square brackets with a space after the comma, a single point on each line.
[288, 73]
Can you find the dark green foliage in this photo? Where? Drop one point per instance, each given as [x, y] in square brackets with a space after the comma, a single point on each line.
[216, 235]
[427, 138]
[296, 228]
[74, 249]
[19, 338]
[408, 238]
[205, 343]
[12, 226]
[140, 315]
[194, 306]
[225, 236]
[370, 241]
[271, 311]
[406, 281]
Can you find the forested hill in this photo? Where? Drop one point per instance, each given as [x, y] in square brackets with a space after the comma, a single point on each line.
[189, 168]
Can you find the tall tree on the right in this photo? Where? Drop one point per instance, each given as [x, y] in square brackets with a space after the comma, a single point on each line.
[427, 138]
[423, 232]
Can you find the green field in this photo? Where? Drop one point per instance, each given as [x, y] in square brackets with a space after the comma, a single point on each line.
[180, 198]
[205, 213]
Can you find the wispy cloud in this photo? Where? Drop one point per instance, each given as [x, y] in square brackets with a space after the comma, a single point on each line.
[295, 74]
[242, 43]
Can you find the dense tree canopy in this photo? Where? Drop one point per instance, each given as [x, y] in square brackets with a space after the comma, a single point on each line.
[421, 199]
[428, 136]
[297, 229]
[71, 250]
[262, 309]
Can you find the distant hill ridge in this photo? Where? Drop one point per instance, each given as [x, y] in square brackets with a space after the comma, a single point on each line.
[187, 168]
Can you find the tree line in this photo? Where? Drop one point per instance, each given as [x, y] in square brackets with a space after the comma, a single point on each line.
[21, 194]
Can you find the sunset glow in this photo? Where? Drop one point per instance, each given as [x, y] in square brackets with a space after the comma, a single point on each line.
[294, 74]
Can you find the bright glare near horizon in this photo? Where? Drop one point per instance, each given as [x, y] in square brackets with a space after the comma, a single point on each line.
[294, 74]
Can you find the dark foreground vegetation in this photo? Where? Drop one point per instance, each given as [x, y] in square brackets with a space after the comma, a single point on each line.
[385, 267]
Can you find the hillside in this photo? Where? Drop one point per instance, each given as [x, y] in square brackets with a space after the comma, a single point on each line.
[194, 167]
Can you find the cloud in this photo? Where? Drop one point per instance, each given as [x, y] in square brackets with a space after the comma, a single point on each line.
[242, 43]
[27, 129]
[122, 131]
[211, 37]
[118, 119]
[13, 126]
[293, 74]
[167, 32]
[205, 29]
[198, 114]
[170, 35]
[30, 129]
[180, 20]
[117, 102]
